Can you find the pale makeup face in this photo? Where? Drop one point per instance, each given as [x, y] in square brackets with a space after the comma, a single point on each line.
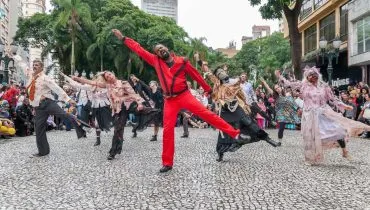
[109, 76]
[312, 78]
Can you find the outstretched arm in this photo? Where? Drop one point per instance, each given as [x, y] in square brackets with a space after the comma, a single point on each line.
[90, 82]
[75, 84]
[135, 47]
[332, 99]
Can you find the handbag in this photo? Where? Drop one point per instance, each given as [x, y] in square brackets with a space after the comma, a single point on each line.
[366, 114]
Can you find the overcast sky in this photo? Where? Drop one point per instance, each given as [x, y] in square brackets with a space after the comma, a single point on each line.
[220, 21]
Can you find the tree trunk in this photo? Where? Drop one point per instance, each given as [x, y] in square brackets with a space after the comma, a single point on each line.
[73, 57]
[295, 38]
[101, 60]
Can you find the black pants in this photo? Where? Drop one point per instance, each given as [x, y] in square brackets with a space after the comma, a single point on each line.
[256, 109]
[281, 129]
[49, 107]
[342, 143]
[119, 122]
[185, 124]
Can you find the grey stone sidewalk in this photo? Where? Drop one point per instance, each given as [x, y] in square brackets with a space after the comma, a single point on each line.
[77, 175]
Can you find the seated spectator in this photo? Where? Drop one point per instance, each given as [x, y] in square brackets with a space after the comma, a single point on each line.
[23, 121]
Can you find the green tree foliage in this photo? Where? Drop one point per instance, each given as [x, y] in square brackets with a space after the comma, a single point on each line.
[87, 29]
[274, 9]
[265, 54]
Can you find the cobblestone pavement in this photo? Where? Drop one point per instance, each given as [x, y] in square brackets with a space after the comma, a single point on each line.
[77, 175]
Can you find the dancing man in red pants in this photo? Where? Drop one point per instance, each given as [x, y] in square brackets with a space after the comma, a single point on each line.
[172, 71]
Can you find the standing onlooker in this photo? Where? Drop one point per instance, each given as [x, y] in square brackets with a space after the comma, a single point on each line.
[351, 114]
[260, 119]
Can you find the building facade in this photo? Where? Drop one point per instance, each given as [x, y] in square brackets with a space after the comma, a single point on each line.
[29, 8]
[167, 8]
[257, 32]
[359, 36]
[246, 39]
[4, 20]
[15, 9]
[260, 31]
[230, 51]
[327, 19]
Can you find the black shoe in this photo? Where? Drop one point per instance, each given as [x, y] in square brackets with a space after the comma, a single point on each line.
[97, 143]
[135, 135]
[81, 133]
[154, 138]
[220, 157]
[243, 139]
[234, 147]
[272, 142]
[165, 169]
[184, 136]
[110, 157]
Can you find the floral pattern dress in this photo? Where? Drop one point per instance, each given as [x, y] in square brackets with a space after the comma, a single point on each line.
[286, 110]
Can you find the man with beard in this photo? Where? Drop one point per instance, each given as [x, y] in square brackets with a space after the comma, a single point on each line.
[40, 90]
[230, 104]
[172, 71]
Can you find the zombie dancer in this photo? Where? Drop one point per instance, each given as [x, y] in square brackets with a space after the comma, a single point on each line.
[100, 106]
[322, 128]
[230, 104]
[40, 90]
[124, 100]
[172, 71]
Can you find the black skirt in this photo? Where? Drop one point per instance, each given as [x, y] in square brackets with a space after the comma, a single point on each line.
[145, 117]
[103, 116]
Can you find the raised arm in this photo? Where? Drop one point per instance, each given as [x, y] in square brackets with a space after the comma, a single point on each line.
[264, 83]
[135, 47]
[286, 83]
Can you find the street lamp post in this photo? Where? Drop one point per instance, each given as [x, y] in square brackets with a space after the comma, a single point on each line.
[7, 59]
[330, 54]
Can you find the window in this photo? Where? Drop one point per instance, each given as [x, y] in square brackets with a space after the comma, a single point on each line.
[318, 3]
[327, 27]
[306, 9]
[344, 23]
[363, 35]
[310, 40]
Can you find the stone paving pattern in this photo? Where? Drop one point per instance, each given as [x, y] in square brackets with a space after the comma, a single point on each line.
[77, 175]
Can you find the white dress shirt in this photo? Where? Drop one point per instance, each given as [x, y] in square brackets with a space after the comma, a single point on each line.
[43, 87]
[249, 92]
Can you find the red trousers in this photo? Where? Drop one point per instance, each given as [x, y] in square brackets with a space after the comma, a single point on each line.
[186, 101]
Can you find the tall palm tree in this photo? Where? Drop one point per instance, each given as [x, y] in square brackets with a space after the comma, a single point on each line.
[97, 48]
[74, 13]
